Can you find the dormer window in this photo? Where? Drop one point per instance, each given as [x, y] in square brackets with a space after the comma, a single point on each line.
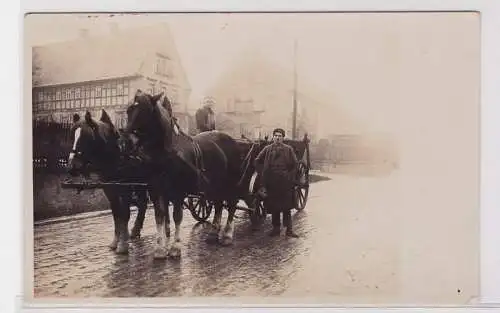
[161, 65]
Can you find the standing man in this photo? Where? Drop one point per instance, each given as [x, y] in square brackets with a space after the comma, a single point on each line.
[277, 163]
[205, 116]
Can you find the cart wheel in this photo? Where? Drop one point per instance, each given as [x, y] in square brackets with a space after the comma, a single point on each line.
[302, 188]
[258, 214]
[200, 209]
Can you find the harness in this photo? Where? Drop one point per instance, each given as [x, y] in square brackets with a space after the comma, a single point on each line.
[246, 164]
[199, 166]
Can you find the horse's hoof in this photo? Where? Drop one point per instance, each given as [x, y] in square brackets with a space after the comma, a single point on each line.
[113, 245]
[175, 253]
[122, 249]
[135, 235]
[226, 241]
[212, 238]
[160, 254]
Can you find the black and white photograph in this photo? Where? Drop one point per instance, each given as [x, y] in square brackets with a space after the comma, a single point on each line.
[257, 158]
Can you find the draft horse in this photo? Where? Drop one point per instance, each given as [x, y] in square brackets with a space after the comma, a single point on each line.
[207, 164]
[96, 149]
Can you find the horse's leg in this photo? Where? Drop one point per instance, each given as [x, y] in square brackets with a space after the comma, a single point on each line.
[124, 213]
[114, 203]
[142, 205]
[162, 226]
[175, 250]
[114, 242]
[227, 238]
[120, 219]
[213, 235]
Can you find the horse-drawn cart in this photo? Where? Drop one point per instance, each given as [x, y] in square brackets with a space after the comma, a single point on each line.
[201, 208]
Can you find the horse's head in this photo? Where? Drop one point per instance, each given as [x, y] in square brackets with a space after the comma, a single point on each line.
[95, 143]
[149, 118]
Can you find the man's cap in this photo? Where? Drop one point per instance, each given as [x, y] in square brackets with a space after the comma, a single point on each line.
[279, 130]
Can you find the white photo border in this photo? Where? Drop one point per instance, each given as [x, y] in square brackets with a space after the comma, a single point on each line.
[490, 107]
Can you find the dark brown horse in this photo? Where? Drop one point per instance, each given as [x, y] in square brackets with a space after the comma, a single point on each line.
[96, 149]
[206, 164]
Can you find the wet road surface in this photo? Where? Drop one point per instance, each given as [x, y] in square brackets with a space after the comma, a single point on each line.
[347, 247]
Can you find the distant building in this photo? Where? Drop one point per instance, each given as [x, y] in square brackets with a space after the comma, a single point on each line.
[256, 96]
[103, 72]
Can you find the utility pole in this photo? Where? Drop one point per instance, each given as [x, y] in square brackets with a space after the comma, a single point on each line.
[294, 117]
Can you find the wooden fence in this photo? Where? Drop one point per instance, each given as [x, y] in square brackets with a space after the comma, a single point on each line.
[51, 145]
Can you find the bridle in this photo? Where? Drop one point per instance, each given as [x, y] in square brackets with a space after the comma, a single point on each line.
[78, 155]
[141, 142]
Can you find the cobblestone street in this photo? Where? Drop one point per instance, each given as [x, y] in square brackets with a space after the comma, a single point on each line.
[72, 258]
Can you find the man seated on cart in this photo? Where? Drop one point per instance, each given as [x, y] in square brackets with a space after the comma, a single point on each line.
[277, 163]
[205, 118]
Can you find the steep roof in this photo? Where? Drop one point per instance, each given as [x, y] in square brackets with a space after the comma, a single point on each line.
[91, 58]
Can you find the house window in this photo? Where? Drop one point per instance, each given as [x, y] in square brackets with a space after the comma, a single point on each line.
[98, 91]
[77, 93]
[112, 89]
[58, 95]
[119, 89]
[160, 66]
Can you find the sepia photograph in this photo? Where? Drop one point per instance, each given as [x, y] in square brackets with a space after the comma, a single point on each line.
[257, 158]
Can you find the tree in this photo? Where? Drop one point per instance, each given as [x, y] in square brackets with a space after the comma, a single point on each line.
[36, 69]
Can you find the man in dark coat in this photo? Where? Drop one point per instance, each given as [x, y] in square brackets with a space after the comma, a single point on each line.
[278, 163]
[205, 118]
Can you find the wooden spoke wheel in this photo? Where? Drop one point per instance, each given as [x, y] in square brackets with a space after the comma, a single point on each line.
[258, 211]
[200, 208]
[302, 188]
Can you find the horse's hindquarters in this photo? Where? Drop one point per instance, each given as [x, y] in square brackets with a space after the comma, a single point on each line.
[221, 161]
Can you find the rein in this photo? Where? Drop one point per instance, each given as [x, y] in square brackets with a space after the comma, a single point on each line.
[246, 163]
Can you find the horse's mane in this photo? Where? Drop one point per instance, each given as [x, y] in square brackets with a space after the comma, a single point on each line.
[165, 115]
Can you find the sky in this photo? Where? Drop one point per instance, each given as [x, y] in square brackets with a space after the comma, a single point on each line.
[355, 60]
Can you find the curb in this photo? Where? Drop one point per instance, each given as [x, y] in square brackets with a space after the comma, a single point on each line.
[77, 217]
[95, 214]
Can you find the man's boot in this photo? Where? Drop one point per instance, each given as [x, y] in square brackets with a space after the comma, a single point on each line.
[287, 220]
[276, 224]
[291, 233]
[275, 232]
